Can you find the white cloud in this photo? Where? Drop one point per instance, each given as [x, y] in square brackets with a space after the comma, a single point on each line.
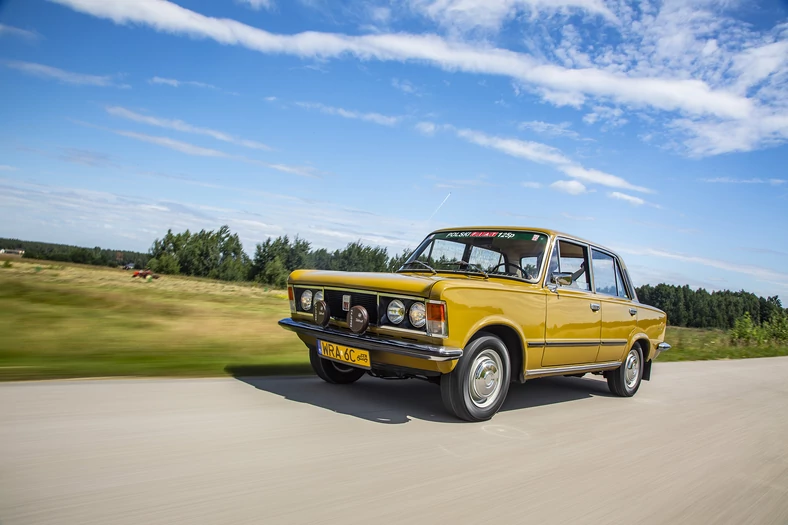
[177, 145]
[258, 4]
[691, 96]
[185, 127]
[405, 86]
[758, 272]
[637, 201]
[571, 187]
[20, 33]
[524, 149]
[600, 177]
[5, 167]
[466, 15]
[377, 118]
[532, 185]
[581, 218]
[547, 128]
[199, 151]
[612, 116]
[728, 180]
[544, 154]
[426, 128]
[271, 99]
[178, 83]
[69, 77]
[173, 82]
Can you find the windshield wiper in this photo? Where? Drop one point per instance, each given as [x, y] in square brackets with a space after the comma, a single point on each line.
[478, 268]
[430, 268]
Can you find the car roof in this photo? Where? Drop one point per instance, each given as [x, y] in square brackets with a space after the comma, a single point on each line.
[547, 231]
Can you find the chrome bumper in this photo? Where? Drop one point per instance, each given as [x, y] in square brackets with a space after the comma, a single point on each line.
[661, 347]
[367, 342]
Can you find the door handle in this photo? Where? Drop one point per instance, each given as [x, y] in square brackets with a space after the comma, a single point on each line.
[595, 307]
[633, 311]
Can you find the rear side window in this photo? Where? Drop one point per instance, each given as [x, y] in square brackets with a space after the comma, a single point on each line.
[604, 273]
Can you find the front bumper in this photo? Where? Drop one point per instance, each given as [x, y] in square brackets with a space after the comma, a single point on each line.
[369, 342]
[661, 347]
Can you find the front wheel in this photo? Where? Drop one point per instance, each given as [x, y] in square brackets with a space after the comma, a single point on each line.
[625, 380]
[332, 372]
[477, 387]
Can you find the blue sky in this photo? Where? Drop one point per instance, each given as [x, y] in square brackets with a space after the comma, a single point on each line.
[658, 129]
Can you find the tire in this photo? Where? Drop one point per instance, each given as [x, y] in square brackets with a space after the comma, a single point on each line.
[478, 400]
[625, 380]
[331, 372]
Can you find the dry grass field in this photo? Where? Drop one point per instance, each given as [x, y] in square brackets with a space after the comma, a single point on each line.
[66, 320]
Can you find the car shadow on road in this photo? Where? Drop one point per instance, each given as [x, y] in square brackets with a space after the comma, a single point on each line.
[396, 402]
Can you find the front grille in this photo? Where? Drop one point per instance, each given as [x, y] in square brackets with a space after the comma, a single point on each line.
[368, 300]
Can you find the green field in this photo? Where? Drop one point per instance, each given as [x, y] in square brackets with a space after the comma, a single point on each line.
[64, 320]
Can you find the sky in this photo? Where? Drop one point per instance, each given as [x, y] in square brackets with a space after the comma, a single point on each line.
[657, 129]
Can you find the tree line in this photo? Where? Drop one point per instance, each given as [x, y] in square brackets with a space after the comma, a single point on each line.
[219, 255]
[701, 309]
[76, 254]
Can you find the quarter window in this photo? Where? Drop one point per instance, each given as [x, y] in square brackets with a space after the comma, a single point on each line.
[622, 289]
[604, 273]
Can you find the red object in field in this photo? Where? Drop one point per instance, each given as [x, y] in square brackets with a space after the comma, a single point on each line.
[144, 273]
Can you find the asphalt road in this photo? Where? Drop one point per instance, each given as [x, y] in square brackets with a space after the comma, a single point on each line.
[703, 442]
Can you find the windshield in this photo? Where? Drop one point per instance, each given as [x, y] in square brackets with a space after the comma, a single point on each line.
[517, 254]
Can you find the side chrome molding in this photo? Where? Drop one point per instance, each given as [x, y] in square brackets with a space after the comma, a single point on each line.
[573, 369]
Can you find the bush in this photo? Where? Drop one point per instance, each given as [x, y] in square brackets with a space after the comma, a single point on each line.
[746, 332]
[8, 264]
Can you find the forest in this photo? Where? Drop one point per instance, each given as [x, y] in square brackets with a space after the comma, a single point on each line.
[220, 255]
[65, 253]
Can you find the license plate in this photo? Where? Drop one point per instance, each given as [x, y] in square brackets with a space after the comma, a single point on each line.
[345, 354]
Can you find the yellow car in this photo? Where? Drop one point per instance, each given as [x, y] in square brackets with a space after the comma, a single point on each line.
[475, 309]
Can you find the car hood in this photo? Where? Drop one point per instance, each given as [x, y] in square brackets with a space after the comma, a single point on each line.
[410, 284]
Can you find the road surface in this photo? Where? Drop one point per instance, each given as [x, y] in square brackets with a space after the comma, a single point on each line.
[702, 443]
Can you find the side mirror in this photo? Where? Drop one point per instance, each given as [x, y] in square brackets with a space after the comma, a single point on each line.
[561, 278]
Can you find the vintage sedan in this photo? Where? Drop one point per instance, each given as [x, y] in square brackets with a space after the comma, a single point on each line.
[475, 309]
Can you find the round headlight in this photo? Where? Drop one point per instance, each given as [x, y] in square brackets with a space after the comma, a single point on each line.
[306, 300]
[319, 295]
[417, 315]
[396, 311]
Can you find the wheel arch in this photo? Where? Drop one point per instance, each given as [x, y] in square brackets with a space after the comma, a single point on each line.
[644, 342]
[512, 338]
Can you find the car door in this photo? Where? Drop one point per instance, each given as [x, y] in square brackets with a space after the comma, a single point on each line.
[573, 321]
[619, 316]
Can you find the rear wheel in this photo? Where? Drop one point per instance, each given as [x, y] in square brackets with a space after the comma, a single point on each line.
[625, 380]
[477, 387]
[333, 372]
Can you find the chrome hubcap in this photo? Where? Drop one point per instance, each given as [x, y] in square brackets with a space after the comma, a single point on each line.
[485, 378]
[632, 368]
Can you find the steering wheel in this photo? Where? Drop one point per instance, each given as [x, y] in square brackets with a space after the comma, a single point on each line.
[505, 264]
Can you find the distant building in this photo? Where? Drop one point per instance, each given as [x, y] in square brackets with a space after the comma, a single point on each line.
[13, 252]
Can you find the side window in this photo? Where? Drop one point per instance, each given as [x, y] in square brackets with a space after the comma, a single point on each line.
[622, 289]
[573, 258]
[604, 273]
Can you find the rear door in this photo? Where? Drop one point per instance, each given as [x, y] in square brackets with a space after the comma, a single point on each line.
[573, 321]
[619, 315]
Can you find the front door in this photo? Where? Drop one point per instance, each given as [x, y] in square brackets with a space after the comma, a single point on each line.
[573, 321]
